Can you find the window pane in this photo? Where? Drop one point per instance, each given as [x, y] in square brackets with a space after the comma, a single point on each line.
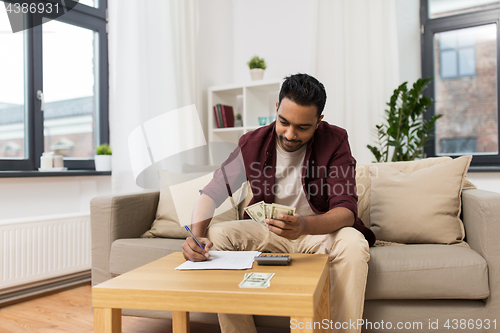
[440, 8]
[449, 63]
[12, 91]
[467, 63]
[69, 82]
[448, 40]
[468, 101]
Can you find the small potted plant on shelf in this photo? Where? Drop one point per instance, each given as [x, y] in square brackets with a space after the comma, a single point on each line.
[102, 157]
[237, 120]
[257, 66]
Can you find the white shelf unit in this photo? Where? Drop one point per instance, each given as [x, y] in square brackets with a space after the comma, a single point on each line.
[252, 100]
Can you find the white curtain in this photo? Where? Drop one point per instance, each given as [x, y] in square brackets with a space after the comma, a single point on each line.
[152, 70]
[357, 60]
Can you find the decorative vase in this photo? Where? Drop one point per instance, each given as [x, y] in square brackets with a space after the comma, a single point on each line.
[257, 74]
[102, 162]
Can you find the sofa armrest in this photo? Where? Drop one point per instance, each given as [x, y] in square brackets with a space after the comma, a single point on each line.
[481, 215]
[115, 217]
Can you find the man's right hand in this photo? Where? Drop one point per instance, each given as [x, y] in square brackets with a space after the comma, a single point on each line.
[193, 252]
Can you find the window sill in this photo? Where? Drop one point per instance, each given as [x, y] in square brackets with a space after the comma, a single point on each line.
[495, 168]
[16, 174]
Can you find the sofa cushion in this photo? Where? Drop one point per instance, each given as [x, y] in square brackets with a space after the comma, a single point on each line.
[422, 206]
[363, 183]
[130, 253]
[426, 272]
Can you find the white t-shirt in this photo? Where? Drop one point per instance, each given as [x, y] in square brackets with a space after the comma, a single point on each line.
[288, 189]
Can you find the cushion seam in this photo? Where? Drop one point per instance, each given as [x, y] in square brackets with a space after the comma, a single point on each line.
[428, 269]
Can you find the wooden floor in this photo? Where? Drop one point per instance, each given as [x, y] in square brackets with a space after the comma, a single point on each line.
[71, 311]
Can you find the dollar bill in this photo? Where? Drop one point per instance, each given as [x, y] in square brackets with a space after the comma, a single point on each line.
[248, 274]
[256, 280]
[268, 209]
[261, 210]
[277, 209]
[257, 212]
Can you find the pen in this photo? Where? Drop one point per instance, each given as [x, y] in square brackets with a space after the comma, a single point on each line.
[199, 244]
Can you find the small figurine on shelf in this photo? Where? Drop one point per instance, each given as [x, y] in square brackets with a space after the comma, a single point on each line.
[237, 120]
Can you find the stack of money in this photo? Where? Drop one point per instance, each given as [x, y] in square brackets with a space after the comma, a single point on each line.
[260, 211]
[256, 280]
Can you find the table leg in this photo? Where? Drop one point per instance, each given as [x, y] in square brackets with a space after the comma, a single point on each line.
[321, 320]
[322, 312]
[107, 320]
[180, 322]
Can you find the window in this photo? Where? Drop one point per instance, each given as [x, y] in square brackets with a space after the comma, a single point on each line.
[63, 62]
[457, 53]
[460, 43]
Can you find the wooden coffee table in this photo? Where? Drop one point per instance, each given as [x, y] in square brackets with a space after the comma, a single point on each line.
[300, 290]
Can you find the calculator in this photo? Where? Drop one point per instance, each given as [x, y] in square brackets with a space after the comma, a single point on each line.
[273, 259]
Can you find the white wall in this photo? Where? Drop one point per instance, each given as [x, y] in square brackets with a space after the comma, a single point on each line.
[215, 50]
[408, 21]
[40, 196]
[489, 181]
[280, 31]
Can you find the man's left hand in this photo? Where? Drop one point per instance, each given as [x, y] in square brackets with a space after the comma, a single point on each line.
[289, 226]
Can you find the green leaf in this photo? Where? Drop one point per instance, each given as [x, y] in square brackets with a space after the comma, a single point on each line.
[103, 149]
[256, 62]
[404, 127]
[376, 152]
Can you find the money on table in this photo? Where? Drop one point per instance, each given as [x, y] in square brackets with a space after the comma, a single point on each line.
[256, 280]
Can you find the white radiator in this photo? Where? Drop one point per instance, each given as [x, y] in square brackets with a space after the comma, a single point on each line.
[38, 249]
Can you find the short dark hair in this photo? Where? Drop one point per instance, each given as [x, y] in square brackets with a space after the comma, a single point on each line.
[305, 90]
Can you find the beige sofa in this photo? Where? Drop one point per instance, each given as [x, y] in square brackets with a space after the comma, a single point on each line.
[418, 286]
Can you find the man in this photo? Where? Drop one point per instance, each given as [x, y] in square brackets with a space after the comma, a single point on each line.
[303, 162]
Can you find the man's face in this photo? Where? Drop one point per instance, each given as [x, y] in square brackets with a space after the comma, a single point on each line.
[295, 124]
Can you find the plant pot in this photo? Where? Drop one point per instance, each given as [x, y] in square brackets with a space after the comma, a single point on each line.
[257, 74]
[238, 123]
[102, 162]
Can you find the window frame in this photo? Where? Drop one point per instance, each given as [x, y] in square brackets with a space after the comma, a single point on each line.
[490, 162]
[82, 16]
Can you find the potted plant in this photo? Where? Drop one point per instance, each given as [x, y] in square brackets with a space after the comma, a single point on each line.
[237, 120]
[102, 157]
[257, 66]
[405, 131]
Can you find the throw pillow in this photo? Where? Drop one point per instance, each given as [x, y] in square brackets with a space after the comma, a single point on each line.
[170, 222]
[418, 206]
[363, 183]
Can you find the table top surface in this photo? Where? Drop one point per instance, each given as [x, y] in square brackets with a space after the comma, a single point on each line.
[159, 282]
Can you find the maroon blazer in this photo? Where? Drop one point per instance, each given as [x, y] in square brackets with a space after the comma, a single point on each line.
[328, 173]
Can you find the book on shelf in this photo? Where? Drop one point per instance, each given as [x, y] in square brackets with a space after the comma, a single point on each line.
[217, 117]
[227, 115]
[221, 120]
[224, 116]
